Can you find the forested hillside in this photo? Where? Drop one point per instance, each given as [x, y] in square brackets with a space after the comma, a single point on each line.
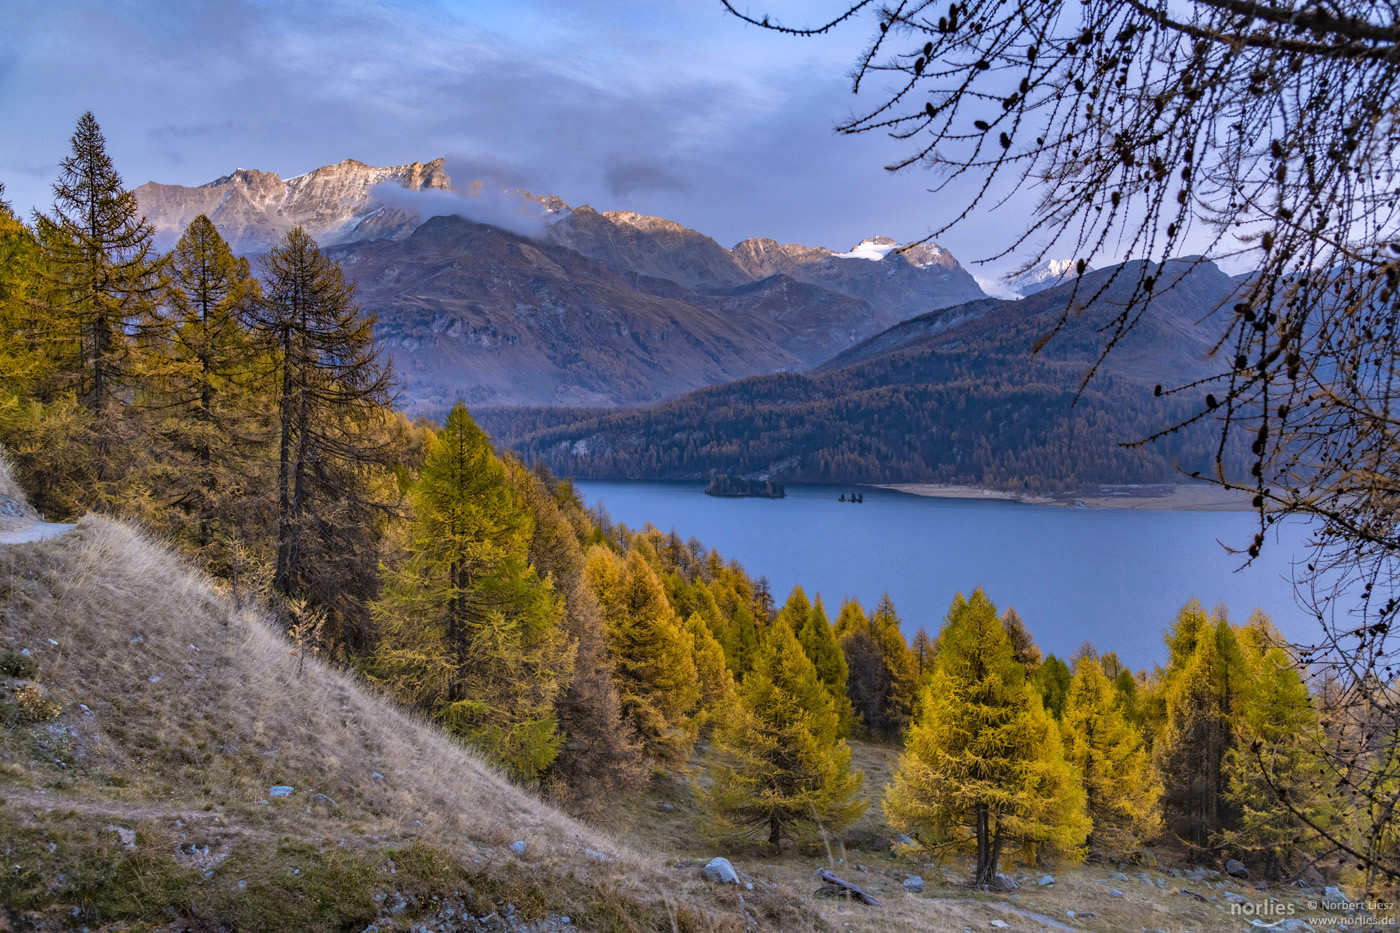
[952, 396]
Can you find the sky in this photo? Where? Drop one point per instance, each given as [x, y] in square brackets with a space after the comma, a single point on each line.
[665, 107]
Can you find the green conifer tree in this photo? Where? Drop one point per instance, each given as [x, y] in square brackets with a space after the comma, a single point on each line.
[777, 766]
[1120, 787]
[1052, 681]
[469, 629]
[716, 681]
[1278, 755]
[983, 767]
[1200, 699]
[740, 642]
[819, 642]
[656, 677]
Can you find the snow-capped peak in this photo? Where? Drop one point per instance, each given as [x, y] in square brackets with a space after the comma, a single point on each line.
[874, 248]
[1048, 274]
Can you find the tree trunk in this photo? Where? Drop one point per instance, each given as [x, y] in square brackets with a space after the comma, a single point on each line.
[983, 849]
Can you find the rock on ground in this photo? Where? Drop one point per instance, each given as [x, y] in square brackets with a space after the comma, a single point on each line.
[720, 871]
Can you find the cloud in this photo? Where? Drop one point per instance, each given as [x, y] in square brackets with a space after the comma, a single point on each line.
[624, 176]
[194, 131]
[997, 287]
[482, 200]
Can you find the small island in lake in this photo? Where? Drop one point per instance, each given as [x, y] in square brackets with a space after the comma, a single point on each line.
[722, 484]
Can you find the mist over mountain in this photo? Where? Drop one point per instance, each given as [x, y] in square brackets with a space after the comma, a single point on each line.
[502, 297]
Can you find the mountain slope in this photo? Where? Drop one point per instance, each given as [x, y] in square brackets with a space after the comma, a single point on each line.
[150, 728]
[952, 396]
[475, 312]
[903, 284]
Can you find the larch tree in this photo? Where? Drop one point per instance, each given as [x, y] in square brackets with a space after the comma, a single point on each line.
[1200, 701]
[600, 755]
[1023, 646]
[470, 631]
[819, 642]
[1052, 681]
[206, 393]
[332, 389]
[656, 677]
[44, 428]
[883, 680]
[102, 279]
[1121, 790]
[1278, 754]
[983, 767]
[714, 677]
[778, 768]
[103, 259]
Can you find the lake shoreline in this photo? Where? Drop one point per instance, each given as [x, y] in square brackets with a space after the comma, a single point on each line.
[1161, 497]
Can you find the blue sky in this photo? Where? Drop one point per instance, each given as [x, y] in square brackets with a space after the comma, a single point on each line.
[666, 107]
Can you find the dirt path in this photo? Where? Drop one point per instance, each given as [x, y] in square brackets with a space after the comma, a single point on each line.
[33, 531]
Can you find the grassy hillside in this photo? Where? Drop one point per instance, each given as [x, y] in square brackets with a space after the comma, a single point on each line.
[144, 722]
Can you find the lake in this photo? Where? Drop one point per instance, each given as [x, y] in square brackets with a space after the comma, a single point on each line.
[1116, 577]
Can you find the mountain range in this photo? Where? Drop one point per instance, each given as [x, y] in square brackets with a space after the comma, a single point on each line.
[577, 307]
[953, 396]
[616, 344]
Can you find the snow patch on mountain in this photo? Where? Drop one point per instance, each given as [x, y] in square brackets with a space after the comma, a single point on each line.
[1048, 274]
[874, 248]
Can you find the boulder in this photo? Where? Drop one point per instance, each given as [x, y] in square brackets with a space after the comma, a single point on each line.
[914, 885]
[1236, 869]
[1233, 898]
[1003, 883]
[518, 847]
[1045, 881]
[720, 871]
[1114, 892]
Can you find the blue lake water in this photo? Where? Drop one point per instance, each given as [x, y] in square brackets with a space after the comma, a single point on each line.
[1115, 577]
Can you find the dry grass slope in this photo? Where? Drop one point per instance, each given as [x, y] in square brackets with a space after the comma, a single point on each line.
[174, 716]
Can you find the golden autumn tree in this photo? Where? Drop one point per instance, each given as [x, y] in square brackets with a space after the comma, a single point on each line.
[983, 766]
[656, 677]
[715, 679]
[470, 631]
[1120, 788]
[778, 767]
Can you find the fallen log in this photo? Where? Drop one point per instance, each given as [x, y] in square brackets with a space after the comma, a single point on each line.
[839, 887]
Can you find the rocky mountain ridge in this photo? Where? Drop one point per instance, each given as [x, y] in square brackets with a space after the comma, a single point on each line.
[577, 306]
[253, 209]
